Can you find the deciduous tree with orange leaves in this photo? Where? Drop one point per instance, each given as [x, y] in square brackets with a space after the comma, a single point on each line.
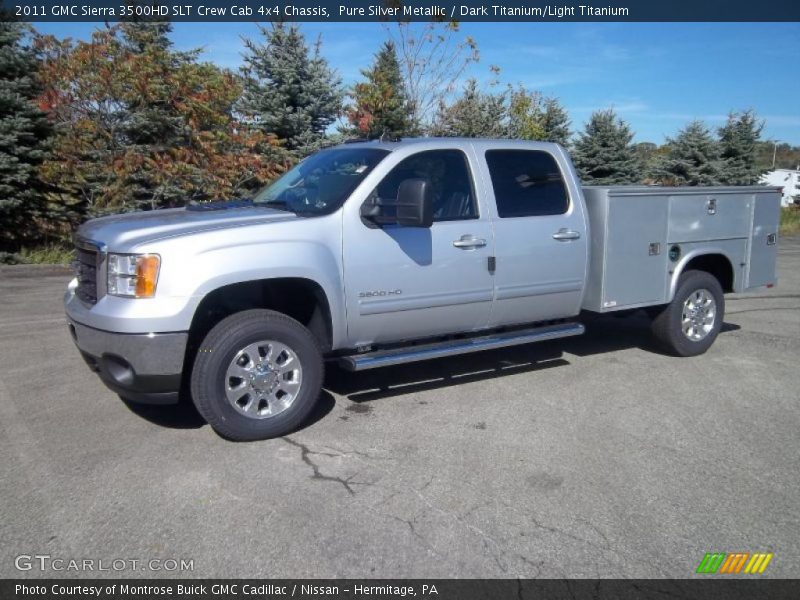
[143, 126]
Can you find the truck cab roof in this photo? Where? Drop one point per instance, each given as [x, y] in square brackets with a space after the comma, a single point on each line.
[445, 142]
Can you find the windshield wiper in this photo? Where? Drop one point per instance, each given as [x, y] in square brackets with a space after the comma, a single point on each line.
[277, 205]
[284, 206]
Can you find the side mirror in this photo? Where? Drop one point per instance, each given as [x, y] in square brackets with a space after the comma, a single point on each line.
[376, 211]
[414, 203]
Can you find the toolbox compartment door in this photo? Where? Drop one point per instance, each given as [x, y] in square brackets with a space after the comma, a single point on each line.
[635, 251]
[698, 217]
[628, 259]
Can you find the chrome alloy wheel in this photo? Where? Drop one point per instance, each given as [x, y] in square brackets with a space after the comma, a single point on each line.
[699, 315]
[263, 379]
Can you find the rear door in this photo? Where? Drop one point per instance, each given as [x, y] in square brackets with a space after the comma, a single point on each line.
[540, 233]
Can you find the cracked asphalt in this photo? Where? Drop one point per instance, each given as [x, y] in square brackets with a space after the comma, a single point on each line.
[589, 457]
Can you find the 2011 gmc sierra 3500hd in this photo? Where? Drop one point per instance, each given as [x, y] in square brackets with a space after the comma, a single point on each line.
[381, 253]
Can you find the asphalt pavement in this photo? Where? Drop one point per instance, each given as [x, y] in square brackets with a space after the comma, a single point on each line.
[587, 457]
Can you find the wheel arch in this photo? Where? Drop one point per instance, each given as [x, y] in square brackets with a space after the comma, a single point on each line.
[300, 298]
[711, 260]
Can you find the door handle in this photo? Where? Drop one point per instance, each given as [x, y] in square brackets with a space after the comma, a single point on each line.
[469, 241]
[565, 235]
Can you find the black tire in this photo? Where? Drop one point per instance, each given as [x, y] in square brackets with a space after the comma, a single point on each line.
[667, 325]
[219, 348]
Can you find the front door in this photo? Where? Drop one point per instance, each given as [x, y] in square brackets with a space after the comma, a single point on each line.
[409, 282]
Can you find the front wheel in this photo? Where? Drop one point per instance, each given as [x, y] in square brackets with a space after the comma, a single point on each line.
[257, 375]
[689, 324]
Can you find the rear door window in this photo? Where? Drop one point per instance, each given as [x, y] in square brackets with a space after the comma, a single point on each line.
[526, 183]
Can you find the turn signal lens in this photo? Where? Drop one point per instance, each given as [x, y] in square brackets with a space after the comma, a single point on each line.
[147, 275]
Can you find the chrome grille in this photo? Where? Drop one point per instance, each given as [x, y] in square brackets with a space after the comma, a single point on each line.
[86, 271]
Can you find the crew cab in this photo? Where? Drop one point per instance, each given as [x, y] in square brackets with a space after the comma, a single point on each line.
[381, 253]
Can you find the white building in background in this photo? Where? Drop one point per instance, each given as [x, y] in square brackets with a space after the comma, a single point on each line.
[789, 180]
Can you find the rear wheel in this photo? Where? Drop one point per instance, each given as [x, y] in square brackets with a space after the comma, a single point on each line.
[257, 375]
[689, 324]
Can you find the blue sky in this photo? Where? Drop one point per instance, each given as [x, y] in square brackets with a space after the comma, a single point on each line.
[658, 76]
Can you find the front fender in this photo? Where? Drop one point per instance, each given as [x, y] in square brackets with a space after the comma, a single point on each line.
[300, 260]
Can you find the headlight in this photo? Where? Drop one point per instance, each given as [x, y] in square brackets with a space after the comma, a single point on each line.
[133, 275]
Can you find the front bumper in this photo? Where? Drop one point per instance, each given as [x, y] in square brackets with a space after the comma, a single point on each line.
[143, 368]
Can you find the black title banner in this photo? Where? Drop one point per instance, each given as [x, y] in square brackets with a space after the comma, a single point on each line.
[405, 10]
[394, 589]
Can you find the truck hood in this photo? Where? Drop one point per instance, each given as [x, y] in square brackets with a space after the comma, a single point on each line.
[125, 231]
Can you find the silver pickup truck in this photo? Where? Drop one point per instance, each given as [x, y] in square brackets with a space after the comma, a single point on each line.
[381, 253]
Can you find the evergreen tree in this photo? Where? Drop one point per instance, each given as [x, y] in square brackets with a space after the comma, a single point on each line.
[24, 132]
[289, 91]
[151, 120]
[555, 122]
[603, 153]
[692, 158]
[474, 114]
[381, 107]
[534, 117]
[739, 139]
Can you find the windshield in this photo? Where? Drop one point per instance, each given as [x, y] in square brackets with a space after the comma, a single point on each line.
[322, 182]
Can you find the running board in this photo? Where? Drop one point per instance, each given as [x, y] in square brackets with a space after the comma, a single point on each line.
[398, 356]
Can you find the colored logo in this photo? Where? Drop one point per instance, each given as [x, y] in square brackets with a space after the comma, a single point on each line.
[738, 562]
